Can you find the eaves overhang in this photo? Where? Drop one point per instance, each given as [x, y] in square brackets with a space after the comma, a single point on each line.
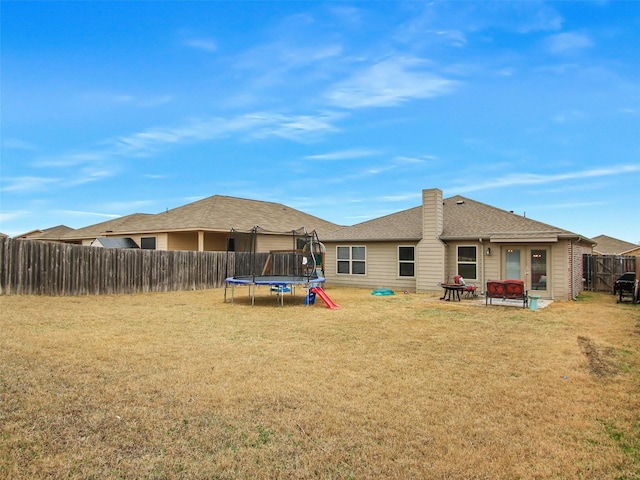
[371, 240]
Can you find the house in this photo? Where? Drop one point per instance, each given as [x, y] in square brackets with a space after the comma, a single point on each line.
[418, 248]
[204, 225]
[612, 246]
[48, 234]
[414, 249]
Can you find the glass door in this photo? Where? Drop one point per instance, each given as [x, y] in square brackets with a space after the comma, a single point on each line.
[538, 265]
[512, 264]
[530, 264]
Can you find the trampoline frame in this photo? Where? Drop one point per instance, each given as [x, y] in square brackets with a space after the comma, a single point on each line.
[307, 274]
[280, 281]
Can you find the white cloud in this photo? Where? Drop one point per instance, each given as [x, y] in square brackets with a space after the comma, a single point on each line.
[27, 184]
[389, 83]
[298, 128]
[109, 99]
[568, 42]
[571, 205]
[206, 44]
[419, 160]
[348, 15]
[17, 144]
[128, 206]
[344, 154]
[82, 213]
[8, 216]
[566, 117]
[401, 198]
[538, 179]
[455, 38]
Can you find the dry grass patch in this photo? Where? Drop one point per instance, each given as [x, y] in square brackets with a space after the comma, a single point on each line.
[182, 385]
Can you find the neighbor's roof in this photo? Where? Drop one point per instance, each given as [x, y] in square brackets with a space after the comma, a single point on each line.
[463, 218]
[216, 213]
[612, 246]
[53, 233]
[117, 225]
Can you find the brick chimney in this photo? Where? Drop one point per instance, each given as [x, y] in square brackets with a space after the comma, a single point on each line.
[431, 251]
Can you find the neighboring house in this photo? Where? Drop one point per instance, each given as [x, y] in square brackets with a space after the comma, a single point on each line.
[48, 234]
[205, 225]
[419, 248]
[612, 246]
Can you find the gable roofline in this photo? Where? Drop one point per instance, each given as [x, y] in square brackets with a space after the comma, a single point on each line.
[218, 213]
[52, 233]
[613, 246]
[463, 219]
[405, 225]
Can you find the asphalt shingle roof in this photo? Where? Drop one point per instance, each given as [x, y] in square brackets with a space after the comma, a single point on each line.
[216, 213]
[53, 233]
[612, 246]
[466, 218]
[463, 218]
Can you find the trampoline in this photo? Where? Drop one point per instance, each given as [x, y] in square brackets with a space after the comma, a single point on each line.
[280, 268]
[280, 282]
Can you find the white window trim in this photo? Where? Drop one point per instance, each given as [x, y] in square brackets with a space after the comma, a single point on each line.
[351, 260]
[476, 263]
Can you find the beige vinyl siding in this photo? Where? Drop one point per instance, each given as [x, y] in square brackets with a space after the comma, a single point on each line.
[268, 243]
[215, 242]
[430, 270]
[559, 275]
[381, 267]
[451, 269]
[183, 241]
[162, 239]
[492, 264]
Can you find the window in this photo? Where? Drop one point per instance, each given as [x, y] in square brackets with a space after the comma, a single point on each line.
[148, 243]
[351, 260]
[468, 262]
[406, 261]
[538, 269]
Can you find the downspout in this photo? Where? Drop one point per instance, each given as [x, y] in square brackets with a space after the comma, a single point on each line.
[482, 273]
[573, 267]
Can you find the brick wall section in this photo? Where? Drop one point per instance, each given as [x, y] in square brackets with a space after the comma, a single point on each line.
[575, 254]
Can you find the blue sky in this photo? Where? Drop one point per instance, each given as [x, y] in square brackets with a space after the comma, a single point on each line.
[345, 110]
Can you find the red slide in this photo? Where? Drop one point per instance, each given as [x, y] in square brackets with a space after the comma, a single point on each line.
[325, 298]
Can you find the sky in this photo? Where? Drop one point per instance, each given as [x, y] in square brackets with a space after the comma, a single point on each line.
[344, 110]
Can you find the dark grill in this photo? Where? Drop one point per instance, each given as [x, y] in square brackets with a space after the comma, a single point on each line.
[626, 286]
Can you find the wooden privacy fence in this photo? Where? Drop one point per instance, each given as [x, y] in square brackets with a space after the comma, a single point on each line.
[29, 267]
[601, 271]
